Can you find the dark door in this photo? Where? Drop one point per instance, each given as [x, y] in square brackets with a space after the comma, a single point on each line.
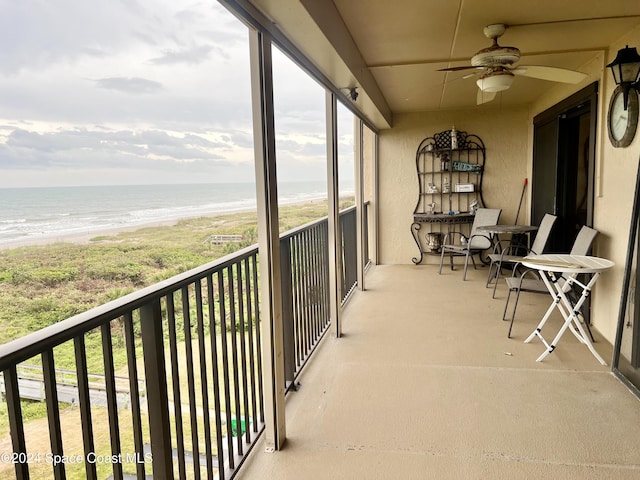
[545, 170]
[563, 166]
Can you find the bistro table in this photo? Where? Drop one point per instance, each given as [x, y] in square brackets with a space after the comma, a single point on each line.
[497, 230]
[551, 269]
[501, 229]
[507, 229]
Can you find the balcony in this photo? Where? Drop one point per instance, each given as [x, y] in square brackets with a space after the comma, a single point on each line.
[425, 384]
[423, 381]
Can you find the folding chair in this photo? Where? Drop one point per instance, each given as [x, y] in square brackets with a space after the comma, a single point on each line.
[475, 244]
[513, 253]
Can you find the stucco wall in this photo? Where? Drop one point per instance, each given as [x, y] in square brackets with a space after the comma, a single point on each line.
[617, 169]
[502, 131]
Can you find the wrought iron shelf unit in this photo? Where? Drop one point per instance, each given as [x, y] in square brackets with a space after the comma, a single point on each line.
[450, 167]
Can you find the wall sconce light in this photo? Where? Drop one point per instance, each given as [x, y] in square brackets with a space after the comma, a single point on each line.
[351, 92]
[625, 69]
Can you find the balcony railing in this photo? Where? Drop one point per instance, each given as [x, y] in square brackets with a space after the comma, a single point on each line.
[349, 277]
[188, 349]
[305, 293]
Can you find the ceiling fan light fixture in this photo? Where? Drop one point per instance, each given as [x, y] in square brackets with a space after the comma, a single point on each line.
[497, 63]
[495, 82]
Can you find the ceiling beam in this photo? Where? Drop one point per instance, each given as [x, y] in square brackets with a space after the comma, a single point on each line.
[326, 16]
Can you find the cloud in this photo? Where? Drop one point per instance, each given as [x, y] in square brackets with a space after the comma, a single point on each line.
[42, 34]
[94, 88]
[129, 85]
[85, 149]
[193, 56]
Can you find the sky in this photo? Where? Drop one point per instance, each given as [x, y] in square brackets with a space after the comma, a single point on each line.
[144, 92]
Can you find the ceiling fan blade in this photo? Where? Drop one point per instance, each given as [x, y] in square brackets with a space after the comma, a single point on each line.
[454, 69]
[484, 97]
[553, 74]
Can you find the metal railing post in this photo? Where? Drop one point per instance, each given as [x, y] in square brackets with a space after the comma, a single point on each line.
[16, 426]
[156, 383]
[287, 311]
[53, 412]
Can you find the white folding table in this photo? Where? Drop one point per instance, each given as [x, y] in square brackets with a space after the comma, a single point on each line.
[553, 268]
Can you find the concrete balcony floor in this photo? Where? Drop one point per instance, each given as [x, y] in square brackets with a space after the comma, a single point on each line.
[425, 384]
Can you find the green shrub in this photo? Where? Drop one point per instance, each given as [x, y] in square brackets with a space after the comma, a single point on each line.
[115, 270]
[51, 277]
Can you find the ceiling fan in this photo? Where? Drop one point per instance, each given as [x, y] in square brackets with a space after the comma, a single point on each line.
[498, 70]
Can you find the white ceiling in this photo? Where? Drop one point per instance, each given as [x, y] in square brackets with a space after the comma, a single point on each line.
[392, 49]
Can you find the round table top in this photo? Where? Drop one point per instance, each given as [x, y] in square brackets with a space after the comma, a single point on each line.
[507, 228]
[565, 263]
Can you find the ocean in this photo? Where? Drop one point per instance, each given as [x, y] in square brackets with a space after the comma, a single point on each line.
[28, 214]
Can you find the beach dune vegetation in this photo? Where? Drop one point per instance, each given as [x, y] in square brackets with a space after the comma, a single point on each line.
[44, 284]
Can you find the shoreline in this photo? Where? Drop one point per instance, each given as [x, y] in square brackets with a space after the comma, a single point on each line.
[84, 238]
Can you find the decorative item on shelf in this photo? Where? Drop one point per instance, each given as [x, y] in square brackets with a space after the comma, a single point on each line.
[473, 206]
[432, 207]
[444, 162]
[466, 167]
[446, 188]
[464, 187]
[434, 241]
[431, 188]
[454, 138]
[443, 140]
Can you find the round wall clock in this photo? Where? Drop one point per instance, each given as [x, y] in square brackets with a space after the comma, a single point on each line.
[622, 123]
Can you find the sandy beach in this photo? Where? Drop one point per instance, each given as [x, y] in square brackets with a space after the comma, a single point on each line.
[87, 236]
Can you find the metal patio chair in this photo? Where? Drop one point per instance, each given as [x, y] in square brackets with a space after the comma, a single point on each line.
[455, 243]
[512, 253]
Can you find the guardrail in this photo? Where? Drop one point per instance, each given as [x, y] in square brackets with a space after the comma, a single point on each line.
[349, 274]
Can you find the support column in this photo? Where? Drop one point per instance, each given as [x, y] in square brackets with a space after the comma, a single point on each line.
[156, 384]
[268, 239]
[359, 194]
[374, 253]
[335, 238]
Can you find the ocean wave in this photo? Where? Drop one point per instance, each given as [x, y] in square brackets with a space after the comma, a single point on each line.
[190, 210]
[12, 221]
[56, 212]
